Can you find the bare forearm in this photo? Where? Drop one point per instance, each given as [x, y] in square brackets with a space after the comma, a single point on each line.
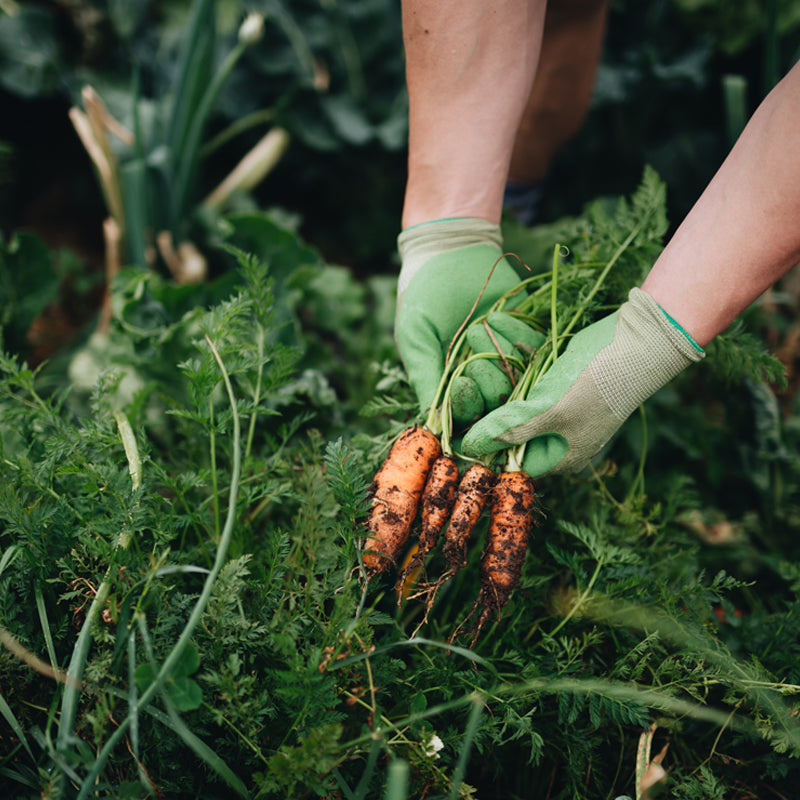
[744, 231]
[572, 42]
[469, 69]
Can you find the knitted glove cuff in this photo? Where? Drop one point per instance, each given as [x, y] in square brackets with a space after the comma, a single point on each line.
[420, 243]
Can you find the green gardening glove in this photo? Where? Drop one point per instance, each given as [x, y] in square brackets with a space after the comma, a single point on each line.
[607, 370]
[445, 265]
[486, 382]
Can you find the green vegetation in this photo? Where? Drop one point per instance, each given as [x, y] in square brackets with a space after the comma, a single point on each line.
[183, 482]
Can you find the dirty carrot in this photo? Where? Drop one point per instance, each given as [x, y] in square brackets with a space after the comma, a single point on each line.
[472, 496]
[437, 502]
[396, 491]
[506, 542]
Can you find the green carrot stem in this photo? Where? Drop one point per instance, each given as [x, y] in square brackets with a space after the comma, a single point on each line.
[535, 371]
[444, 410]
[436, 413]
[553, 301]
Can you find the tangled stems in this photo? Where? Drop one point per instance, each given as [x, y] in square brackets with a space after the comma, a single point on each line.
[536, 368]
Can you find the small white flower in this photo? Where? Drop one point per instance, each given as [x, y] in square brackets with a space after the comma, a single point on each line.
[434, 746]
[252, 29]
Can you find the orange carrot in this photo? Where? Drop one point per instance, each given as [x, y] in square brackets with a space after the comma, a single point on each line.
[437, 502]
[396, 491]
[472, 496]
[506, 542]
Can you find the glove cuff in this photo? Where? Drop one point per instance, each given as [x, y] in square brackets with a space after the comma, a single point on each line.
[647, 351]
[422, 242]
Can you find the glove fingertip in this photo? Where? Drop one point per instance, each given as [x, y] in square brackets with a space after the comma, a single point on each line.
[545, 454]
[479, 442]
[466, 400]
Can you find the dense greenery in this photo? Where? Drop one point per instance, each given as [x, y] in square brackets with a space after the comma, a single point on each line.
[183, 482]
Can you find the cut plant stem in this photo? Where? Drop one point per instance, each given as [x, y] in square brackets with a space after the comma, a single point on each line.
[252, 169]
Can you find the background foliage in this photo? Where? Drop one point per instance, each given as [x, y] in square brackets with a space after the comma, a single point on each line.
[182, 490]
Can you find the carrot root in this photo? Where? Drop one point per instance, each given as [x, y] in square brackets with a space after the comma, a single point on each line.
[396, 491]
[472, 496]
[513, 502]
[437, 502]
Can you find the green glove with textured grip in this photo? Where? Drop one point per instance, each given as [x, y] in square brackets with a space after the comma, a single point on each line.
[607, 370]
[486, 383]
[445, 265]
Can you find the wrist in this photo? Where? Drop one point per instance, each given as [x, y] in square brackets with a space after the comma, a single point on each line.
[683, 330]
[420, 243]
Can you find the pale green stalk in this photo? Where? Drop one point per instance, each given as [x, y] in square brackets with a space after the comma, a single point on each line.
[397, 780]
[80, 653]
[238, 126]
[554, 302]
[212, 443]
[475, 714]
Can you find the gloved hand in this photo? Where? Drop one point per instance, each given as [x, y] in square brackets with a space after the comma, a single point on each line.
[607, 370]
[444, 268]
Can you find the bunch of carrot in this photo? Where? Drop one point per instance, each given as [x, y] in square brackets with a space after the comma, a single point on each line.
[421, 478]
[418, 476]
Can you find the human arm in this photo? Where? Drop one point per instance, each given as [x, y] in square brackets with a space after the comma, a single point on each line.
[494, 91]
[470, 67]
[743, 233]
[469, 70]
[739, 238]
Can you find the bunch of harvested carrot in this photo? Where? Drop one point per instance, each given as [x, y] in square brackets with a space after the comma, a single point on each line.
[421, 469]
[400, 482]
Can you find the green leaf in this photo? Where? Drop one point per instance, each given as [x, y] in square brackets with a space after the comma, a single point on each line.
[29, 58]
[184, 692]
[188, 662]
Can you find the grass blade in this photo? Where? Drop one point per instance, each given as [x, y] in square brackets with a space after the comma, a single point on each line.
[397, 780]
[8, 715]
[205, 753]
[372, 759]
[9, 554]
[48, 636]
[475, 714]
